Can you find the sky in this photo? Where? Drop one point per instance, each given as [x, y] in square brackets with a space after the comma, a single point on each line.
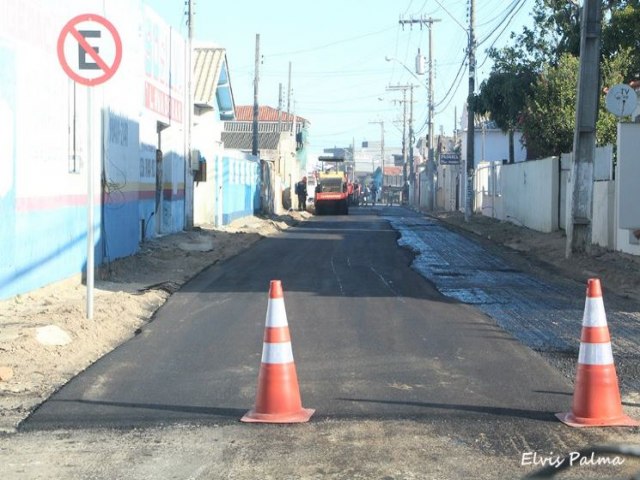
[337, 50]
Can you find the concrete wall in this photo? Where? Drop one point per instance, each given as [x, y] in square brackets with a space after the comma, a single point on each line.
[240, 187]
[207, 135]
[448, 188]
[488, 192]
[602, 230]
[530, 193]
[627, 218]
[535, 194]
[493, 145]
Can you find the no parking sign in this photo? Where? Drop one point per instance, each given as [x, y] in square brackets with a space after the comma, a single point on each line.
[89, 49]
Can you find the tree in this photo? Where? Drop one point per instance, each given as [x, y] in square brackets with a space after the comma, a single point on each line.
[549, 51]
[554, 32]
[549, 115]
[503, 96]
[621, 35]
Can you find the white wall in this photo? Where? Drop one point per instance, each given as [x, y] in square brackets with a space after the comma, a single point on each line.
[530, 193]
[493, 145]
[206, 137]
[488, 200]
[627, 216]
[602, 229]
[448, 176]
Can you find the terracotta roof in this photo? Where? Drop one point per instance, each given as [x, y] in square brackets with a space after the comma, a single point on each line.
[244, 113]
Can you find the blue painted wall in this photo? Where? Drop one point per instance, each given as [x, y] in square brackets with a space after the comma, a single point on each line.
[240, 188]
[121, 224]
[47, 252]
[8, 263]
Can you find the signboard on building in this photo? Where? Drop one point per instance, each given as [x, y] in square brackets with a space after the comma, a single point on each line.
[449, 159]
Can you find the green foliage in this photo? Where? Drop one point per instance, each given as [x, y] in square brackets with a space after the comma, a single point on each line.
[533, 81]
[503, 95]
[621, 35]
[549, 114]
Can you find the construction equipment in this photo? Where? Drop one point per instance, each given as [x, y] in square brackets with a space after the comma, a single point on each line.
[332, 195]
[333, 190]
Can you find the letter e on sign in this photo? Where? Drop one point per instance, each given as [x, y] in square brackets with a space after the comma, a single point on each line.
[89, 49]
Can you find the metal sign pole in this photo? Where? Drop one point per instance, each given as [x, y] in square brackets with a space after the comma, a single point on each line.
[90, 208]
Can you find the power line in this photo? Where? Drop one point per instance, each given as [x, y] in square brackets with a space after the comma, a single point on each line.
[502, 31]
[515, 4]
[327, 45]
[460, 70]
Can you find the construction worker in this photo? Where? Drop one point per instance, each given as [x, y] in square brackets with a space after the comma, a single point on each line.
[301, 192]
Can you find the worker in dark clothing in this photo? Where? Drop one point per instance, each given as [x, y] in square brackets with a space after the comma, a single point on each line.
[301, 192]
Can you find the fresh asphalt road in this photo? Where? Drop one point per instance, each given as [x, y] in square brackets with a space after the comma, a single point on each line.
[372, 341]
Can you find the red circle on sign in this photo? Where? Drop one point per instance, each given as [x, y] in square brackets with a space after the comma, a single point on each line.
[109, 70]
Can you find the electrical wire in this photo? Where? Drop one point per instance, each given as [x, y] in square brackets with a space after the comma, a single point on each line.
[460, 70]
[327, 45]
[500, 34]
[516, 4]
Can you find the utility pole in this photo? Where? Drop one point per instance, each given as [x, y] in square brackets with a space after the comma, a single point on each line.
[470, 112]
[188, 168]
[411, 139]
[584, 141]
[381, 122]
[431, 104]
[468, 209]
[404, 136]
[353, 157]
[256, 110]
[428, 22]
[279, 107]
[289, 95]
[404, 128]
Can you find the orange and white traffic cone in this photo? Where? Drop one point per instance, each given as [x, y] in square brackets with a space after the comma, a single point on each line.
[596, 397]
[278, 396]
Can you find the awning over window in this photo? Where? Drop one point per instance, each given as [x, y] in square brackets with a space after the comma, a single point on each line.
[212, 87]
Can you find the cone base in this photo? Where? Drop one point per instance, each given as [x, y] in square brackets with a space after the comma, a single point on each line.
[301, 416]
[578, 422]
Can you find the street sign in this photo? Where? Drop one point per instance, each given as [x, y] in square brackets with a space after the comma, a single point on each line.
[89, 49]
[449, 159]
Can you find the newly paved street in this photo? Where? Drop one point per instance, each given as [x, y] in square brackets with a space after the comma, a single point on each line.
[379, 352]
